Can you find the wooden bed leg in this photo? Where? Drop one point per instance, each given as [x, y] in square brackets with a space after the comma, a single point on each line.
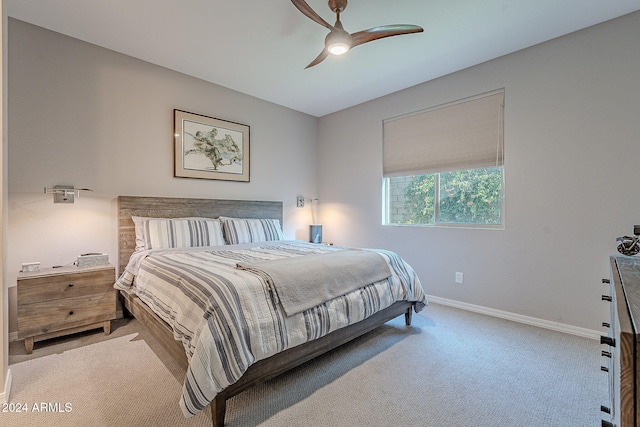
[28, 345]
[218, 408]
[408, 315]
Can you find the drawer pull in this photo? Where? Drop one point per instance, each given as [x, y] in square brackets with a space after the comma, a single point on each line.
[604, 369]
[607, 424]
[606, 354]
[608, 340]
[71, 313]
[71, 285]
[605, 409]
[606, 325]
[606, 281]
[606, 298]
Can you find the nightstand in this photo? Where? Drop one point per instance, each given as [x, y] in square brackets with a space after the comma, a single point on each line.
[60, 301]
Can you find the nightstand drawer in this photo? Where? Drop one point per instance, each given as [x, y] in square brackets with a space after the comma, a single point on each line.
[46, 288]
[49, 316]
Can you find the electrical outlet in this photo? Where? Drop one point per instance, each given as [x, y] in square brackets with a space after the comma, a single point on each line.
[300, 202]
[459, 277]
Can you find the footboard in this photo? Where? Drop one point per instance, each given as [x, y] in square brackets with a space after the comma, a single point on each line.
[273, 366]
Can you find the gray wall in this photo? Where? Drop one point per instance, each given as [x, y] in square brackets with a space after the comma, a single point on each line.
[83, 115]
[572, 147]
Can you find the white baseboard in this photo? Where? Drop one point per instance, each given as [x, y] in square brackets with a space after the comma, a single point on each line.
[4, 396]
[560, 327]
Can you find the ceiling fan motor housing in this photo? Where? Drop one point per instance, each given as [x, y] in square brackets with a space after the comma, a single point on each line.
[338, 39]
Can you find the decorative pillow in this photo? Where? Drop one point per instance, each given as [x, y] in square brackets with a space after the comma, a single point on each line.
[157, 233]
[244, 230]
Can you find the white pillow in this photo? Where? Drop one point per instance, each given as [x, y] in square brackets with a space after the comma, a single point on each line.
[246, 230]
[138, 223]
[158, 233]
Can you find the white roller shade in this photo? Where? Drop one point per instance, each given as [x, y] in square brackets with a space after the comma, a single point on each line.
[467, 134]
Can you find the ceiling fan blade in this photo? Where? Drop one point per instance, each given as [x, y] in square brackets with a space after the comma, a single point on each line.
[310, 13]
[382, 31]
[323, 55]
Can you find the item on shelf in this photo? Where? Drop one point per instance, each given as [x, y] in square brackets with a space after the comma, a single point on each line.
[315, 233]
[629, 245]
[30, 266]
[92, 259]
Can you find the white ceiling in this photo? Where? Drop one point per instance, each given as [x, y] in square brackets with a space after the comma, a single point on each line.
[260, 47]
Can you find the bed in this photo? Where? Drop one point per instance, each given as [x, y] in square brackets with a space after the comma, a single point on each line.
[259, 353]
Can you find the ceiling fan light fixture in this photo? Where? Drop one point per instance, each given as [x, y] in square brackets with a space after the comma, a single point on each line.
[338, 42]
[338, 48]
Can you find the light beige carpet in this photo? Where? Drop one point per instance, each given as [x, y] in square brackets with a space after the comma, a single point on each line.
[451, 368]
[118, 382]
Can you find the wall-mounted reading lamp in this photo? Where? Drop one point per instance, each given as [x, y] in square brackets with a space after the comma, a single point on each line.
[64, 193]
[315, 229]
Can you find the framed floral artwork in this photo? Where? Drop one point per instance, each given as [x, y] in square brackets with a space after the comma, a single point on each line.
[210, 148]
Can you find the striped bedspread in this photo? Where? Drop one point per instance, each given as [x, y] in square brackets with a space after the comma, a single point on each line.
[227, 318]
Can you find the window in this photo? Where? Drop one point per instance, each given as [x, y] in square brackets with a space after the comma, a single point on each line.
[444, 166]
[466, 197]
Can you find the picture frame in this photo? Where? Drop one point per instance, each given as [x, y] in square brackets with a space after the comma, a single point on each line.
[210, 148]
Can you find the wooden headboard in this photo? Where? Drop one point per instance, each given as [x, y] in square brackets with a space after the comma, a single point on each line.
[168, 207]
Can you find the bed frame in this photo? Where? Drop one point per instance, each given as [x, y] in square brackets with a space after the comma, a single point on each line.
[262, 370]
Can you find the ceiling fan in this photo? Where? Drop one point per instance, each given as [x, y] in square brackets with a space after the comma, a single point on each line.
[338, 41]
